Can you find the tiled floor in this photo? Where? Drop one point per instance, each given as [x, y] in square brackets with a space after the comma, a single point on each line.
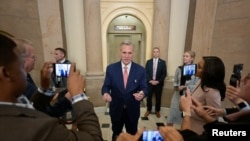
[150, 123]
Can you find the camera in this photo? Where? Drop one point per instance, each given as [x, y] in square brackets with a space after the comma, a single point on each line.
[61, 70]
[236, 76]
[151, 135]
[189, 70]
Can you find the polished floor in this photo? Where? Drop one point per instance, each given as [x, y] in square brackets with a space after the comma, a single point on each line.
[150, 123]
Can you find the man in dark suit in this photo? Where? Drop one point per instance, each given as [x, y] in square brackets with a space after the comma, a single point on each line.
[21, 121]
[29, 64]
[124, 94]
[61, 80]
[156, 72]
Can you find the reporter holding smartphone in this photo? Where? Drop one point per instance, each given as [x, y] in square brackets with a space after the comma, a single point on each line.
[210, 90]
[20, 121]
[181, 82]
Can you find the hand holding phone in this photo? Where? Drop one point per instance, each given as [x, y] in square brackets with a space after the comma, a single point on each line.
[151, 135]
[189, 70]
[236, 76]
[61, 70]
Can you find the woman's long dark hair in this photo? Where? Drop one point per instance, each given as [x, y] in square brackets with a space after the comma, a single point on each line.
[214, 74]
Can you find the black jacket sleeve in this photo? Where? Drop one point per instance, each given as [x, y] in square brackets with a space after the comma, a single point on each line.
[41, 103]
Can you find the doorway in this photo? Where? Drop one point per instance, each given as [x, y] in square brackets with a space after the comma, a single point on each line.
[115, 36]
[114, 41]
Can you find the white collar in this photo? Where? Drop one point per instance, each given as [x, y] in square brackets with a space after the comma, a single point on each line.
[129, 65]
[62, 61]
[22, 102]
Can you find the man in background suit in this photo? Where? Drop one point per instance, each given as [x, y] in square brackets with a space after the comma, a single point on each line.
[156, 72]
[124, 97]
[29, 64]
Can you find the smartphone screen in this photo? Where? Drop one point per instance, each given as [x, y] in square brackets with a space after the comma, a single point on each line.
[62, 70]
[151, 135]
[189, 70]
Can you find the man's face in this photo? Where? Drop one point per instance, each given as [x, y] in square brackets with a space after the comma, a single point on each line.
[59, 56]
[30, 59]
[126, 54]
[156, 53]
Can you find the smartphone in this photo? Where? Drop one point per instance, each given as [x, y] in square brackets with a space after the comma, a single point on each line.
[236, 76]
[61, 70]
[151, 135]
[189, 70]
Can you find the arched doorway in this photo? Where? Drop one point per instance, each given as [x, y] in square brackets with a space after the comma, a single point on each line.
[125, 27]
[113, 12]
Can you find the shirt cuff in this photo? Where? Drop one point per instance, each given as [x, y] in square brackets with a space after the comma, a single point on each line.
[78, 98]
[49, 92]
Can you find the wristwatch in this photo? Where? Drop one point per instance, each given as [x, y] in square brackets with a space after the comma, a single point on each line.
[243, 105]
[183, 114]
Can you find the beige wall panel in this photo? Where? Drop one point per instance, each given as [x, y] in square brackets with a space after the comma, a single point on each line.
[233, 9]
[231, 38]
[203, 27]
[51, 29]
[21, 18]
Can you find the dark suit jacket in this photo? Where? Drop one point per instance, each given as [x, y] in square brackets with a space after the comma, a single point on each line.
[113, 84]
[161, 71]
[42, 102]
[31, 87]
[23, 124]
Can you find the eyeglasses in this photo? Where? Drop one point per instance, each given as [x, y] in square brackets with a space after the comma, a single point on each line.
[33, 57]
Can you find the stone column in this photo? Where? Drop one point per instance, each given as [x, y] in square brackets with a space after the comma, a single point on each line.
[92, 20]
[74, 29]
[177, 34]
[161, 23]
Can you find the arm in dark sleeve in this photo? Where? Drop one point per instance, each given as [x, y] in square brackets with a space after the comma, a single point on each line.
[62, 106]
[164, 72]
[189, 135]
[231, 110]
[87, 123]
[41, 103]
[88, 126]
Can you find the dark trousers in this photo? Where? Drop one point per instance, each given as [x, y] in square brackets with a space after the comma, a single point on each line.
[131, 125]
[157, 90]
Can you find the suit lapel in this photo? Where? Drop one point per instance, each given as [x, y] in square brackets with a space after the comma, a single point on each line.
[151, 67]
